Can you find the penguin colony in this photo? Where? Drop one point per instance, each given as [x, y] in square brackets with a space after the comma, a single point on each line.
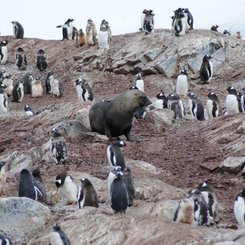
[198, 207]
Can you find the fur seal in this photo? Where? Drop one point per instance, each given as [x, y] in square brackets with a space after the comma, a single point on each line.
[36, 88]
[182, 85]
[206, 69]
[3, 99]
[91, 33]
[81, 38]
[114, 118]
[20, 58]
[18, 92]
[42, 63]
[58, 236]
[18, 30]
[239, 209]
[3, 52]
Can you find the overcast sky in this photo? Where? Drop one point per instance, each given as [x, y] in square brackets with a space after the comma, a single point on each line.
[40, 18]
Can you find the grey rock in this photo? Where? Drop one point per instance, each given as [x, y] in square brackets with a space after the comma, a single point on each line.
[233, 164]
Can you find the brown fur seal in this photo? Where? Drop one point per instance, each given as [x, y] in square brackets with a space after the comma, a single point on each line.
[114, 118]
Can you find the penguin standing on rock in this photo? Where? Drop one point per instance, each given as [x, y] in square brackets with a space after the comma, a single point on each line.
[104, 35]
[42, 63]
[18, 92]
[180, 22]
[182, 85]
[58, 236]
[18, 30]
[138, 83]
[84, 91]
[81, 38]
[161, 102]
[3, 99]
[239, 209]
[196, 107]
[5, 240]
[129, 182]
[67, 30]
[206, 69]
[91, 33]
[20, 59]
[29, 112]
[213, 105]
[214, 28]
[3, 52]
[232, 101]
[148, 21]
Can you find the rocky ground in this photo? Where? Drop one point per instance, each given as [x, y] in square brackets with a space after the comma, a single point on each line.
[184, 152]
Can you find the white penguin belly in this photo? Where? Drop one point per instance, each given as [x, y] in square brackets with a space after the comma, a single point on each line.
[231, 104]
[55, 238]
[239, 211]
[3, 103]
[5, 55]
[182, 85]
[68, 192]
[79, 92]
[140, 85]
[103, 38]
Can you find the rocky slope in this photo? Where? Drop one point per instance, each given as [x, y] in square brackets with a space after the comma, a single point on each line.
[167, 157]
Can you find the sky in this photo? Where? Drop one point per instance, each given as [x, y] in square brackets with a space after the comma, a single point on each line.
[40, 18]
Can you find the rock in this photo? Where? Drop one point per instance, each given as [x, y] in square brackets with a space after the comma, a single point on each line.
[82, 116]
[233, 164]
[237, 236]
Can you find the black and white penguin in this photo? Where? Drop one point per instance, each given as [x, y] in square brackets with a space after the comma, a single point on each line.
[140, 113]
[58, 236]
[3, 99]
[196, 106]
[18, 92]
[5, 240]
[56, 86]
[138, 83]
[18, 30]
[239, 209]
[148, 21]
[129, 182]
[42, 63]
[36, 88]
[47, 82]
[104, 35]
[68, 190]
[90, 197]
[213, 105]
[182, 85]
[211, 201]
[3, 52]
[238, 35]
[206, 69]
[57, 145]
[214, 28]
[20, 59]
[9, 84]
[29, 112]
[161, 102]
[225, 32]
[84, 91]
[27, 79]
[176, 104]
[243, 100]
[180, 22]
[29, 187]
[91, 33]
[67, 30]
[118, 196]
[114, 154]
[189, 18]
[232, 101]
[3, 178]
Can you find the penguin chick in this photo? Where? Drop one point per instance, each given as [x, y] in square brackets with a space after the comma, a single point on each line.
[81, 39]
[36, 88]
[29, 112]
[18, 92]
[232, 101]
[196, 106]
[182, 85]
[3, 52]
[56, 86]
[68, 190]
[84, 91]
[129, 182]
[90, 197]
[2, 178]
[42, 63]
[91, 33]
[27, 79]
[239, 209]
[213, 105]
[9, 84]
[148, 22]
[5, 240]
[3, 99]
[20, 59]
[138, 83]
[58, 146]
[175, 104]
[206, 69]
[114, 154]
[58, 236]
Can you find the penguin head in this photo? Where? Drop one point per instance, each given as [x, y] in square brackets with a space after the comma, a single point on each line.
[203, 186]
[183, 72]
[56, 227]
[69, 21]
[85, 182]
[207, 58]
[27, 108]
[212, 96]
[41, 52]
[242, 193]
[127, 171]
[78, 81]
[225, 32]
[25, 173]
[138, 77]
[20, 50]
[60, 179]
[120, 143]
[55, 132]
[37, 174]
[4, 43]
[173, 96]
[134, 87]
[231, 90]
[161, 96]
[140, 113]
[192, 95]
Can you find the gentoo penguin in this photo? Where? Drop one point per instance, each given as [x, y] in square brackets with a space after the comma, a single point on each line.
[58, 236]
[180, 22]
[81, 38]
[140, 113]
[239, 209]
[211, 201]
[129, 182]
[206, 69]
[189, 18]
[56, 86]
[90, 197]
[185, 211]
[3, 99]
[91, 33]
[114, 154]
[232, 101]
[104, 35]
[138, 83]
[18, 30]
[148, 21]
[225, 32]
[3, 52]
[84, 91]
[8, 83]
[20, 59]
[29, 187]
[213, 105]
[29, 112]
[243, 100]
[42, 63]
[182, 85]
[36, 88]
[47, 82]
[196, 106]
[67, 30]
[118, 196]
[27, 79]
[5, 240]
[57, 145]
[18, 92]
[2, 177]
[176, 104]
[68, 189]
[161, 102]
[214, 28]
[238, 35]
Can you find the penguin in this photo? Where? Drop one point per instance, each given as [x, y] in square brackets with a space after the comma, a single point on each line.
[114, 154]
[148, 22]
[29, 112]
[3, 75]
[18, 30]
[232, 101]
[3, 99]
[180, 22]
[129, 182]
[47, 82]
[140, 113]
[211, 201]
[182, 85]
[3, 52]
[213, 105]
[56, 86]
[196, 106]
[27, 79]
[176, 104]
[20, 59]
[161, 102]
[104, 35]
[31, 188]
[68, 190]
[18, 92]
[238, 35]
[214, 28]
[42, 63]
[189, 18]
[118, 196]
[57, 146]
[5, 240]
[58, 236]
[91, 33]
[239, 209]
[36, 88]
[138, 83]
[2, 177]
[225, 32]
[206, 69]
[90, 197]
[84, 91]
[8, 83]
[81, 38]
[67, 30]
[243, 100]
